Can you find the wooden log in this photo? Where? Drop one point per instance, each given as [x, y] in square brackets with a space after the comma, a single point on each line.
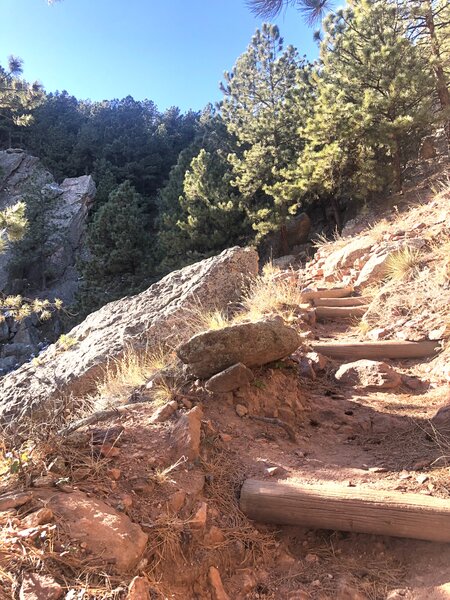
[340, 292]
[353, 301]
[377, 350]
[340, 312]
[336, 507]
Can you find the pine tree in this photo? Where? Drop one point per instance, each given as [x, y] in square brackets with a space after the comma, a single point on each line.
[17, 99]
[373, 96]
[118, 245]
[258, 110]
[429, 27]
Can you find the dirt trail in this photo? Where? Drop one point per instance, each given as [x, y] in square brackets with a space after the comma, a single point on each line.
[379, 440]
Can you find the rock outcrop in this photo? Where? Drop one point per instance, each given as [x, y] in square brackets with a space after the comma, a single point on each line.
[64, 209]
[157, 316]
[252, 344]
[22, 176]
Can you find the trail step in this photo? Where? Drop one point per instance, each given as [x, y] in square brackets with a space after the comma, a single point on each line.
[340, 312]
[338, 507]
[353, 301]
[339, 292]
[377, 350]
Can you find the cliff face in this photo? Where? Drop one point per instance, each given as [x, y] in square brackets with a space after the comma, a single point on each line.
[65, 207]
[57, 215]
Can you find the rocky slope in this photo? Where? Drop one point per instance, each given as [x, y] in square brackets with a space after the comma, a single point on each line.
[165, 473]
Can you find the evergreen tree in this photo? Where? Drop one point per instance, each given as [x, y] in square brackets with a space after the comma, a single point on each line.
[17, 99]
[258, 109]
[118, 245]
[372, 96]
[429, 27]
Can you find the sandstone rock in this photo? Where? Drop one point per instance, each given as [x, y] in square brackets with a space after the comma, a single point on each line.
[139, 589]
[369, 374]
[164, 412]
[176, 501]
[319, 362]
[374, 270]
[187, 433]
[8, 501]
[441, 420]
[231, 379]
[153, 317]
[214, 537]
[346, 256]
[103, 531]
[252, 344]
[241, 410]
[215, 581]
[198, 521]
[39, 587]
[40, 517]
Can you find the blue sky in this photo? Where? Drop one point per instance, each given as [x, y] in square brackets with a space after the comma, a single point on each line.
[173, 52]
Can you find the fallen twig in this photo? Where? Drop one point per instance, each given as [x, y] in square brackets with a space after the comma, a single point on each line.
[101, 415]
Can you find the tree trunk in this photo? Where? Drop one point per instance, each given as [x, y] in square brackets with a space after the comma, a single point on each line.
[336, 213]
[397, 165]
[339, 507]
[284, 240]
[439, 73]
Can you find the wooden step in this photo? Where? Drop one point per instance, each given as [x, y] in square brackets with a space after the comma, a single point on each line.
[340, 312]
[339, 507]
[339, 292]
[377, 350]
[354, 301]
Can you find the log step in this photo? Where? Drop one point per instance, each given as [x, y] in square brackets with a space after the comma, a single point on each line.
[340, 292]
[345, 509]
[340, 312]
[377, 350]
[354, 301]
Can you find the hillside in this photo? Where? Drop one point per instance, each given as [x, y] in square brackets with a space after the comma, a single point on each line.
[126, 444]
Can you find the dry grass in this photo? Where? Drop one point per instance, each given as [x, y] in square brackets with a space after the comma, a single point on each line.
[403, 264]
[268, 294]
[122, 376]
[162, 476]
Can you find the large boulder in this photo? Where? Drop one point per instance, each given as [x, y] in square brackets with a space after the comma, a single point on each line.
[252, 344]
[160, 315]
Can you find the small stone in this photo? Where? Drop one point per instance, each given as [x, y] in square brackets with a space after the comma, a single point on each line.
[437, 334]
[214, 536]
[233, 378]
[164, 412]
[39, 587]
[272, 471]
[109, 451]
[186, 434]
[369, 374]
[215, 581]
[311, 558]
[115, 474]
[40, 517]
[127, 501]
[241, 410]
[422, 479]
[199, 519]
[226, 437]
[139, 589]
[177, 500]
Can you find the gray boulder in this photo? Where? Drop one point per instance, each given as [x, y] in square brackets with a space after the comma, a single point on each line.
[252, 344]
[160, 315]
